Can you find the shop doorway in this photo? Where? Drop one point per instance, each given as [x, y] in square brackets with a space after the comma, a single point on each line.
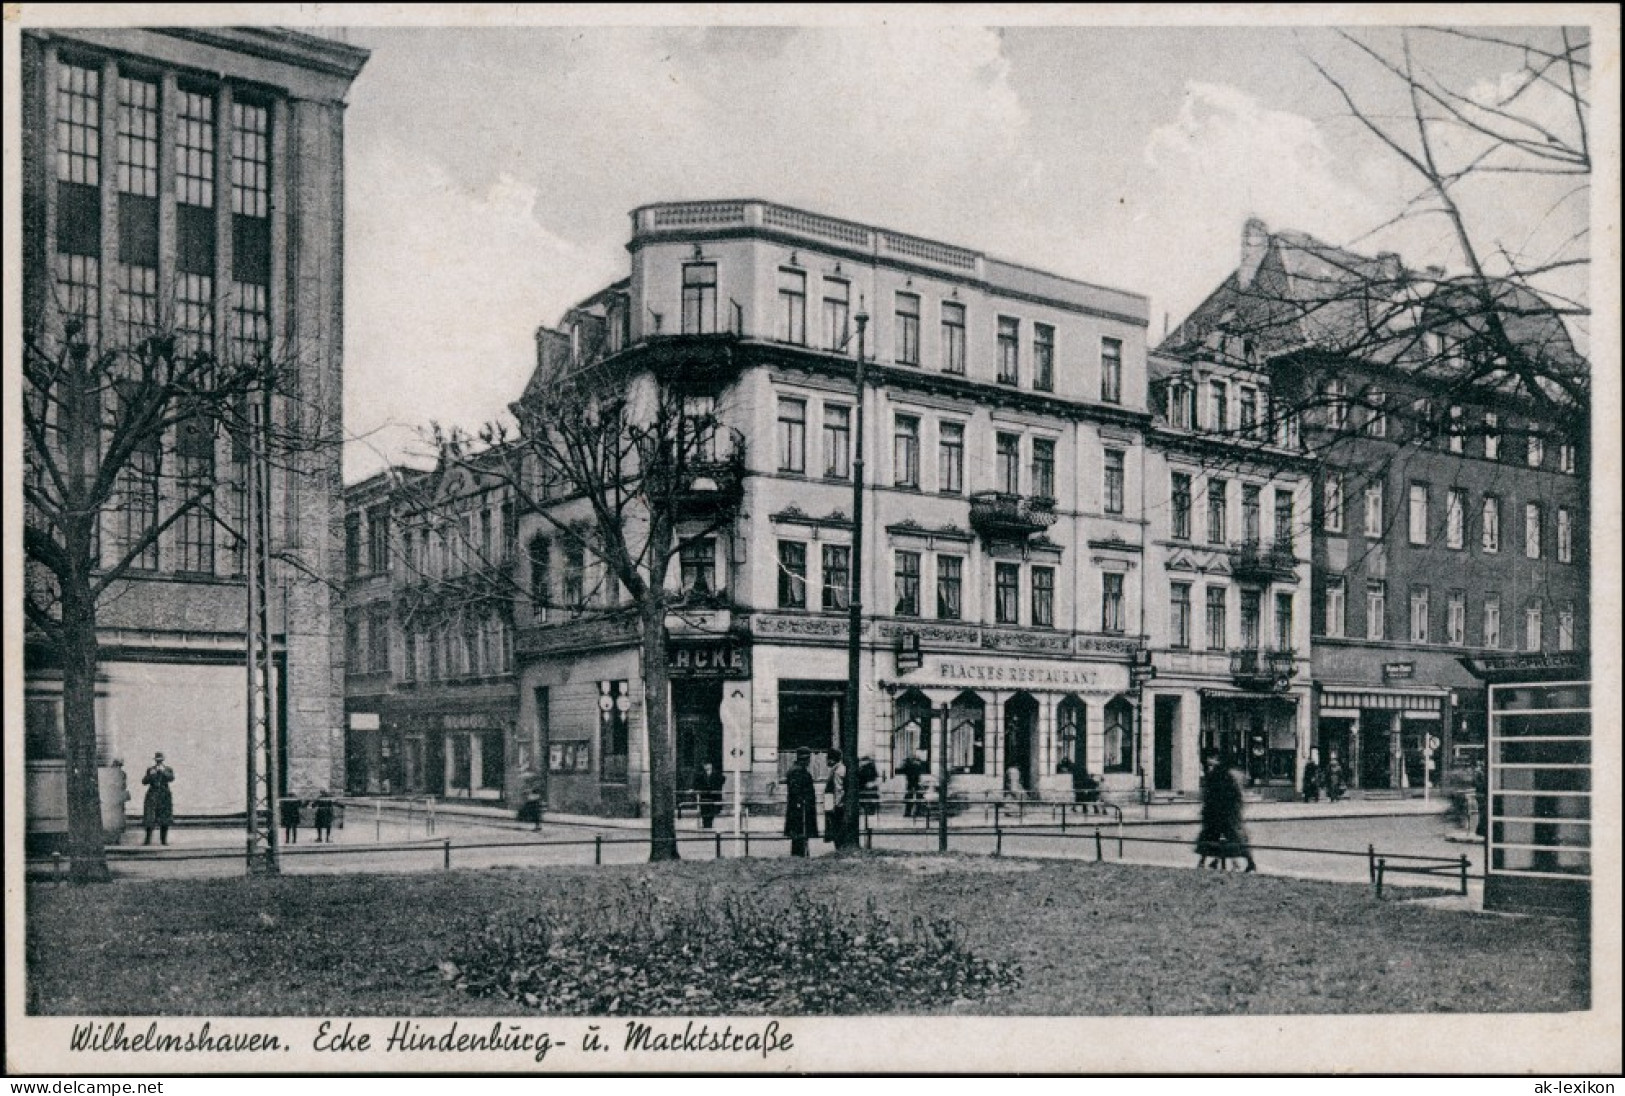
[1337, 745]
[810, 716]
[1020, 729]
[1165, 729]
[697, 711]
[1376, 750]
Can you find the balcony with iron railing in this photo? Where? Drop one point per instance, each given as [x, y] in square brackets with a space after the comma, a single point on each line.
[1263, 561]
[713, 482]
[998, 515]
[1265, 668]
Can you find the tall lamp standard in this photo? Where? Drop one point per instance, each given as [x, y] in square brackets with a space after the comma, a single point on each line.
[847, 838]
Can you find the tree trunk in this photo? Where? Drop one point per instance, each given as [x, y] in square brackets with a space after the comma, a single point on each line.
[78, 654]
[657, 723]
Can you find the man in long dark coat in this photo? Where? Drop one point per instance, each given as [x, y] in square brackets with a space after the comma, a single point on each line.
[801, 804]
[708, 784]
[158, 808]
[1222, 837]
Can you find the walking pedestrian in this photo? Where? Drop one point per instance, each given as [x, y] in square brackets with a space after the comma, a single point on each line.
[158, 807]
[868, 787]
[1222, 837]
[1311, 781]
[800, 804]
[708, 793]
[834, 795]
[913, 768]
[1086, 789]
[323, 806]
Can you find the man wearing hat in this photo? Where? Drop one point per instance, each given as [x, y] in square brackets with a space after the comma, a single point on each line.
[801, 804]
[158, 809]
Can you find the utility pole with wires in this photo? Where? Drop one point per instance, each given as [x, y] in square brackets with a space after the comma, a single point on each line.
[262, 722]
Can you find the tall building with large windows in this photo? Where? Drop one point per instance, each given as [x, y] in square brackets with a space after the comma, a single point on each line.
[1002, 573]
[1449, 517]
[189, 181]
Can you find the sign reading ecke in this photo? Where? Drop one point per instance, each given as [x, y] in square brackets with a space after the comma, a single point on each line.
[721, 657]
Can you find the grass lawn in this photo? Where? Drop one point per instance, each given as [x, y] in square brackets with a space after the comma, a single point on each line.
[1089, 938]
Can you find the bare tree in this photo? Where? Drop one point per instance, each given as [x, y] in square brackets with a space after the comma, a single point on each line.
[629, 471]
[120, 443]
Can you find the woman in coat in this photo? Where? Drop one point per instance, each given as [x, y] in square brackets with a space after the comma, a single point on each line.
[1222, 837]
[158, 808]
[801, 804]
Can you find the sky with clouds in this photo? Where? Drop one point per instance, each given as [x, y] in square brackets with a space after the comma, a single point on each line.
[490, 172]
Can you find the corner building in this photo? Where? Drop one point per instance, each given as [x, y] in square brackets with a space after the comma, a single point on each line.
[1003, 565]
[190, 180]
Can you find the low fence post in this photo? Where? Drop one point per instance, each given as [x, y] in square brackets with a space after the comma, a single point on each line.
[1382, 868]
[1065, 810]
[1099, 855]
[998, 830]
[377, 819]
[1371, 861]
[446, 846]
[598, 849]
[56, 868]
[718, 837]
[1464, 874]
[747, 844]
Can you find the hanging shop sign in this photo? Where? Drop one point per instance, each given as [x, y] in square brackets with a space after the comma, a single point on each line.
[908, 653]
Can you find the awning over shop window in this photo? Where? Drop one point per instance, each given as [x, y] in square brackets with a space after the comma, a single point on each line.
[1383, 701]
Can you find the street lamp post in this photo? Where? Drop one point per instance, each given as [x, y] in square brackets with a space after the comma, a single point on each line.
[848, 836]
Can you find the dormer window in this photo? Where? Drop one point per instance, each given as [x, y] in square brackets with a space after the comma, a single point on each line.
[1182, 404]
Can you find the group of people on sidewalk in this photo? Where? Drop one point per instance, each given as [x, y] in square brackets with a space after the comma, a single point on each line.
[292, 812]
[801, 805]
[1331, 778]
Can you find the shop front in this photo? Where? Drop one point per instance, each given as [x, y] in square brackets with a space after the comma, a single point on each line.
[709, 675]
[1383, 738]
[455, 754]
[1254, 733]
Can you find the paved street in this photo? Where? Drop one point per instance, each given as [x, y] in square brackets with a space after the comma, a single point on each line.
[393, 840]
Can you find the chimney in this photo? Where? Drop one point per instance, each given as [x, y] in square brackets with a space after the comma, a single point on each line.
[1255, 241]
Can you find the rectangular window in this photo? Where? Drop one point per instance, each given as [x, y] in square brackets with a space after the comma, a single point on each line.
[1492, 523]
[194, 479]
[1492, 622]
[575, 576]
[1455, 518]
[1249, 412]
[837, 441]
[378, 535]
[1531, 530]
[1565, 627]
[906, 451]
[699, 428]
[194, 313]
[1251, 513]
[1251, 601]
[137, 288]
[1419, 513]
[792, 435]
[1179, 616]
[1565, 458]
[1336, 607]
[1376, 423]
[139, 512]
[837, 577]
[1043, 597]
[1114, 481]
[1532, 625]
[699, 298]
[1331, 504]
[951, 457]
[78, 290]
[1456, 618]
[1007, 463]
[1373, 510]
[950, 587]
[1218, 509]
[1334, 393]
[137, 137]
[837, 306]
[953, 337]
[1535, 451]
[1009, 350]
[1181, 506]
[1219, 406]
[250, 319]
[1111, 602]
[1376, 609]
[1456, 440]
[78, 124]
[541, 576]
[1284, 519]
[1007, 593]
[907, 320]
[352, 544]
[250, 159]
[1043, 357]
[792, 575]
[1419, 614]
[792, 318]
[1492, 436]
[1217, 626]
[1283, 622]
[194, 149]
[697, 563]
[907, 581]
[1565, 536]
[1111, 370]
[1043, 468]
